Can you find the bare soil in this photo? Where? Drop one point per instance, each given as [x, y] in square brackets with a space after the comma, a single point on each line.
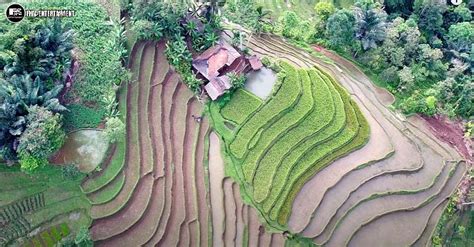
[147, 225]
[451, 132]
[425, 238]
[230, 232]
[202, 192]
[119, 222]
[166, 99]
[433, 166]
[144, 79]
[191, 135]
[172, 234]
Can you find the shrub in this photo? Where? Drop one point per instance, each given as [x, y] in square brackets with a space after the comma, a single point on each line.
[70, 171]
[97, 47]
[237, 80]
[29, 163]
[114, 129]
[80, 116]
[83, 238]
[147, 30]
[419, 103]
[42, 137]
[289, 22]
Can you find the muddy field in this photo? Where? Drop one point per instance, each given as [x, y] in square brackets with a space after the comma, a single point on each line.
[175, 191]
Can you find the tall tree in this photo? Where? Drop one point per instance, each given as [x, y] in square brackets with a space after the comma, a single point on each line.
[340, 29]
[44, 53]
[323, 11]
[17, 95]
[461, 36]
[402, 7]
[431, 20]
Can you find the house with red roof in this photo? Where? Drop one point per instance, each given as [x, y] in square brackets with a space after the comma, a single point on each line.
[215, 63]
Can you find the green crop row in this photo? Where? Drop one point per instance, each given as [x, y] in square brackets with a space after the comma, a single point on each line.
[110, 172]
[354, 136]
[359, 141]
[108, 192]
[311, 158]
[286, 97]
[242, 104]
[319, 127]
[272, 132]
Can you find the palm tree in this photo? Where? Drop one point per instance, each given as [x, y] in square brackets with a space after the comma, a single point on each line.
[23, 91]
[261, 18]
[17, 94]
[370, 23]
[43, 52]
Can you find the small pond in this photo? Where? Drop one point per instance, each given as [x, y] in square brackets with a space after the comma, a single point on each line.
[86, 148]
[261, 82]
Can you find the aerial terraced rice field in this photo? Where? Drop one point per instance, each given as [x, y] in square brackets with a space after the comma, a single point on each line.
[401, 177]
[168, 200]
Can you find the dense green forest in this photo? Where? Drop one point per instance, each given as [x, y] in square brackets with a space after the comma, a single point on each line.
[42, 87]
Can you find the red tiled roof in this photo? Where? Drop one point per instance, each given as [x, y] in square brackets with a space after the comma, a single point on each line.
[213, 59]
[216, 62]
[217, 86]
[211, 64]
[255, 62]
[212, 91]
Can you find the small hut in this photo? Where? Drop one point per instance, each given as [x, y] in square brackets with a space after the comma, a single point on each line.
[215, 63]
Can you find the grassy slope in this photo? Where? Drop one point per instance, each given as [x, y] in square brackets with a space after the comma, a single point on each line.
[118, 159]
[242, 105]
